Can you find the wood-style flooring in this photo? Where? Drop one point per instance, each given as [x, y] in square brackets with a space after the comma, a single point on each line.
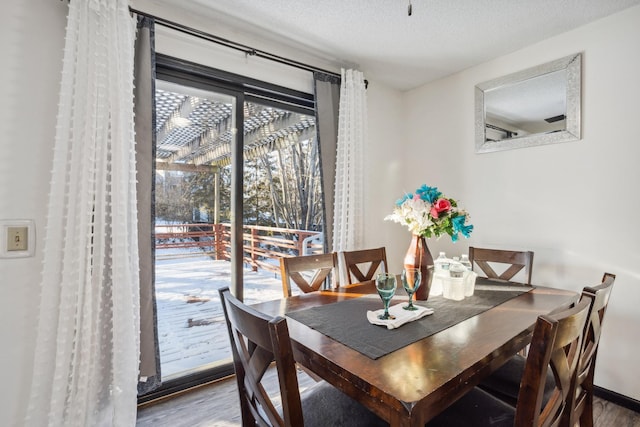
[216, 405]
[213, 405]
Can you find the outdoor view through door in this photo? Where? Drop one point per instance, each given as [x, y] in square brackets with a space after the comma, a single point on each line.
[282, 214]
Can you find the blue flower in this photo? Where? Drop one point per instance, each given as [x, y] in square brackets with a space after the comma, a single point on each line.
[404, 198]
[429, 194]
[459, 227]
[466, 230]
[458, 222]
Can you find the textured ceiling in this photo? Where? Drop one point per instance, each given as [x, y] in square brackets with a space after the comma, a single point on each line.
[379, 38]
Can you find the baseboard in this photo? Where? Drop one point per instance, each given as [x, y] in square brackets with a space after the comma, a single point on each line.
[617, 398]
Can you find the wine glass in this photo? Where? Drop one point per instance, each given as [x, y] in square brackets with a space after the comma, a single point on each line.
[411, 278]
[386, 285]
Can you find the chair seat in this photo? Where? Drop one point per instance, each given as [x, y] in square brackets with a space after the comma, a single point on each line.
[504, 383]
[476, 408]
[324, 405]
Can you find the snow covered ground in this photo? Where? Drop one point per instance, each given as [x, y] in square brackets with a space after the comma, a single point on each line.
[191, 327]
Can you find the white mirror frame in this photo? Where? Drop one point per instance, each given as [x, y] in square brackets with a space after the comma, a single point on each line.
[573, 66]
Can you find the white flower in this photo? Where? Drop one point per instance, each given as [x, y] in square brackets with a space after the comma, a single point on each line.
[414, 213]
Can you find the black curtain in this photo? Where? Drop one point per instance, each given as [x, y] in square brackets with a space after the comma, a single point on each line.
[326, 89]
[144, 79]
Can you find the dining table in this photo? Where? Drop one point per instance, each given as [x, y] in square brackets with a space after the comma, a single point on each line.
[408, 375]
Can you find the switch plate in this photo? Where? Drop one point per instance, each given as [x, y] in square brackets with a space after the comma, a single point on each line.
[17, 238]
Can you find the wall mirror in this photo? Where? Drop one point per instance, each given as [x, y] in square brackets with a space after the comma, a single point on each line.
[536, 106]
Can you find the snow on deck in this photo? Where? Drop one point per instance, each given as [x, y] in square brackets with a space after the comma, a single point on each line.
[191, 327]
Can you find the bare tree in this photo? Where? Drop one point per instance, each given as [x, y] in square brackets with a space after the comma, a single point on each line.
[294, 182]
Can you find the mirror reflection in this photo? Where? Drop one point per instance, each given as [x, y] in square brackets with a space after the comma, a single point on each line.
[540, 105]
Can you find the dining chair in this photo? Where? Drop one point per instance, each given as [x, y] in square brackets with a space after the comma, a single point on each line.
[362, 265]
[555, 347]
[515, 260]
[257, 340]
[504, 383]
[309, 272]
[582, 405]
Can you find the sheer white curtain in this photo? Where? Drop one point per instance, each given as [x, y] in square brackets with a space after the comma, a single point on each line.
[348, 227]
[86, 361]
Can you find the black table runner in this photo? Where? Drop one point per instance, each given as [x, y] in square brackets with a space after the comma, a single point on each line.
[346, 321]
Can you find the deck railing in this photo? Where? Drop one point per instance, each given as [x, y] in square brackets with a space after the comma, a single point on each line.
[263, 246]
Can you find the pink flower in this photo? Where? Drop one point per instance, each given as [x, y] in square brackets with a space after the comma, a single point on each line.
[440, 206]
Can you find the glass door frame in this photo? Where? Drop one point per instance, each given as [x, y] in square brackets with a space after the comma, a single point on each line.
[243, 89]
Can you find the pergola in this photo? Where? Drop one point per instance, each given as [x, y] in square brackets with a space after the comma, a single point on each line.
[195, 130]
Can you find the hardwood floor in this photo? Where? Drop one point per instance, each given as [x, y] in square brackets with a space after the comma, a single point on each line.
[607, 414]
[216, 405]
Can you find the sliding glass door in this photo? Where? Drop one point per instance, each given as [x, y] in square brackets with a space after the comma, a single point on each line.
[282, 194]
[195, 129]
[237, 186]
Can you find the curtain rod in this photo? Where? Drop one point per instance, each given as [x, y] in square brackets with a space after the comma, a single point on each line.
[233, 45]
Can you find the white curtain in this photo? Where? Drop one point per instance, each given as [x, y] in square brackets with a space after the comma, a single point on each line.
[86, 361]
[348, 226]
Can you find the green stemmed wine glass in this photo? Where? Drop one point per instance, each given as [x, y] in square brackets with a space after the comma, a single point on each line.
[386, 285]
[411, 278]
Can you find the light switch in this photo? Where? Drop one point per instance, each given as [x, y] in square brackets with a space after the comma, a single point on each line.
[17, 238]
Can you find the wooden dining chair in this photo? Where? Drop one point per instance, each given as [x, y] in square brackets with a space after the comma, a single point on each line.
[555, 347]
[309, 272]
[257, 340]
[514, 260]
[582, 405]
[504, 383]
[362, 265]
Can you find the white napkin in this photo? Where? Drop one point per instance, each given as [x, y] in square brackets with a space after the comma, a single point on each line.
[402, 316]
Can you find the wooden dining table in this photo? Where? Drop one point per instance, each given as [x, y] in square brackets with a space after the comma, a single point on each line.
[412, 384]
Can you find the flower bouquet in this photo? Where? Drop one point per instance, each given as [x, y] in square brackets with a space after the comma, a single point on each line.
[428, 213]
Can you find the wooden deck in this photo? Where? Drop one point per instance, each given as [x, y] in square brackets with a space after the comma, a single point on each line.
[192, 263]
[191, 328]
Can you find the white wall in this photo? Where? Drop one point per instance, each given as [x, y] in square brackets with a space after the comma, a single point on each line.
[574, 204]
[31, 44]
[384, 170]
[31, 41]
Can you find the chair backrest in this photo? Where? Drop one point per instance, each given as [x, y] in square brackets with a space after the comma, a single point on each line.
[556, 344]
[362, 265]
[518, 260]
[317, 268]
[599, 299]
[256, 341]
